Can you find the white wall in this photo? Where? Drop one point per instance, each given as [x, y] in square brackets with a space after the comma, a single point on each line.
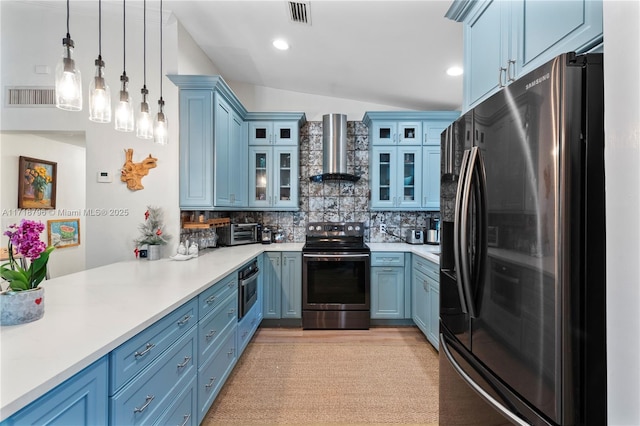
[260, 98]
[68, 151]
[622, 160]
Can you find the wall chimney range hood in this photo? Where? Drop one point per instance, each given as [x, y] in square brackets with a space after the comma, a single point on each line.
[334, 150]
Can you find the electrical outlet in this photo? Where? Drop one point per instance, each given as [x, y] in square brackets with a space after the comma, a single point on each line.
[383, 228]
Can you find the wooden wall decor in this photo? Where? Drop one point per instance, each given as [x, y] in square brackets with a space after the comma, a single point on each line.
[132, 173]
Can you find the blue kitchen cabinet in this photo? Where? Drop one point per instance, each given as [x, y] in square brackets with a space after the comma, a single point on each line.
[274, 132]
[425, 298]
[504, 40]
[396, 179]
[282, 285]
[431, 177]
[387, 132]
[273, 183]
[230, 156]
[196, 149]
[81, 400]
[387, 285]
[213, 144]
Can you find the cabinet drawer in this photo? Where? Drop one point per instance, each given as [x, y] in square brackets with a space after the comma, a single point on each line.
[387, 259]
[428, 268]
[144, 399]
[213, 374]
[212, 327]
[216, 294]
[184, 410]
[131, 357]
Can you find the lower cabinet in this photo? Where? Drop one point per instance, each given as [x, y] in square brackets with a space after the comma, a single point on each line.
[425, 300]
[389, 295]
[81, 400]
[282, 281]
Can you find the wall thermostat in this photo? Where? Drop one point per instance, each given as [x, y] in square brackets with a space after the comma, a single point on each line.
[104, 177]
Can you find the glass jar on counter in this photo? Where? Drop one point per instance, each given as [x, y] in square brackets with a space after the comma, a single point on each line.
[279, 236]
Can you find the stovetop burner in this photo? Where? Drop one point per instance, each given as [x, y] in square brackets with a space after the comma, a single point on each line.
[335, 237]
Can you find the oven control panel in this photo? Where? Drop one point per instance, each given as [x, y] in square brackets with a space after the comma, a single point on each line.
[334, 229]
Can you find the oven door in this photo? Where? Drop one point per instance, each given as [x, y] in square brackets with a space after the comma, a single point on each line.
[335, 281]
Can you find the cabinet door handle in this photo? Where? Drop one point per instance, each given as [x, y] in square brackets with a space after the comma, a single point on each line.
[186, 420]
[210, 334]
[284, 261]
[185, 362]
[502, 70]
[210, 384]
[387, 269]
[146, 350]
[146, 404]
[425, 285]
[185, 320]
[509, 76]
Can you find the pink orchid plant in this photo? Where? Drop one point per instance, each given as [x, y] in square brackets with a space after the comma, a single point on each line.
[25, 239]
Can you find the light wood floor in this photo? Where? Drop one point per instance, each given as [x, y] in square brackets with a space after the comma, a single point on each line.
[377, 335]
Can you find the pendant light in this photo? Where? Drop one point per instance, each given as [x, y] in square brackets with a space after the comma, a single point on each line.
[68, 78]
[144, 126]
[99, 93]
[124, 110]
[160, 131]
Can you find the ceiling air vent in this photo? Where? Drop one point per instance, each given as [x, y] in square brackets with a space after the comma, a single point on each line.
[30, 97]
[300, 12]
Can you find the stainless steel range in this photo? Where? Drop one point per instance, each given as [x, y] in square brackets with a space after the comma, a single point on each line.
[335, 277]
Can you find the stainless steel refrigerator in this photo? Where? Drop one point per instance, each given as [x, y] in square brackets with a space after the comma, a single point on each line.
[522, 274]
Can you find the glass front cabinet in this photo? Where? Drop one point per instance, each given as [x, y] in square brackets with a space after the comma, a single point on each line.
[396, 177]
[273, 177]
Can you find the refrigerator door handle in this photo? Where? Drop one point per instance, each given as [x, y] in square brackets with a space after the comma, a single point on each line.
[458, 231]
[490, 400]
[464, 273]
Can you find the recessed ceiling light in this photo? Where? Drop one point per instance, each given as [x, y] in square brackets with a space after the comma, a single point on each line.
[454, 71]
[280, 44]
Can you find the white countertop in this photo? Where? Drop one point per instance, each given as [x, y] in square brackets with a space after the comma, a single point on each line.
[90, 313]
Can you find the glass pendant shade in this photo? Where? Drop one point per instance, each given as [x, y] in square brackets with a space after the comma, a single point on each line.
[144, 126]
[68, 80]
[161, 130]
[124, 110]
[99, 96]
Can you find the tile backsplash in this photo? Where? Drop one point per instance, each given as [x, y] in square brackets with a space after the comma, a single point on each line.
[334, 201]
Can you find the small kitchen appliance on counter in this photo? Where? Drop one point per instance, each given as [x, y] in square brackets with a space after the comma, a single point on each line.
[266, 236]
[433, 233]
[414, 236]
[238, 233]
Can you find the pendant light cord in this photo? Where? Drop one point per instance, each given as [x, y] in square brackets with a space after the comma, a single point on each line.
[68, 34]
[160, 49]
[124, 38]
[100, 29]
[144, 44]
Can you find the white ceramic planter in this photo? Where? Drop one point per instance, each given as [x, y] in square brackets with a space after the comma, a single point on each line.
[19, 307]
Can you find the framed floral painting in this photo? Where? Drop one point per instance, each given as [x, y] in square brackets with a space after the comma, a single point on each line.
[63, 233]
[36, 184]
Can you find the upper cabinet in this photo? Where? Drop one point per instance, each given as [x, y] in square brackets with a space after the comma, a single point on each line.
[215, 133]
[405, 158]
[504, 40]
[274, 132]
[274, 160]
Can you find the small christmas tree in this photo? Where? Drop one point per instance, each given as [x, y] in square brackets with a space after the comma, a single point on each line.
[152, 229]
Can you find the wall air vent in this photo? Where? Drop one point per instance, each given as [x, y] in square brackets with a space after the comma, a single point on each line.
[300, 12]
[30, 97]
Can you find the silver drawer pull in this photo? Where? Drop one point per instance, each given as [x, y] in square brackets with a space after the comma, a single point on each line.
[146, 404]
[185, 320]
[185, 362]
[245, 334]
[232, 311]
[146, 350]
[210, 334]
[230, 352]
[210, 384]
[231, 284]
[186, 420]
[211, 299]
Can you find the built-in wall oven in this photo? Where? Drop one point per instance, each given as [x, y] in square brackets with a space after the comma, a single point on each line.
[247, 287]
[335, 277]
